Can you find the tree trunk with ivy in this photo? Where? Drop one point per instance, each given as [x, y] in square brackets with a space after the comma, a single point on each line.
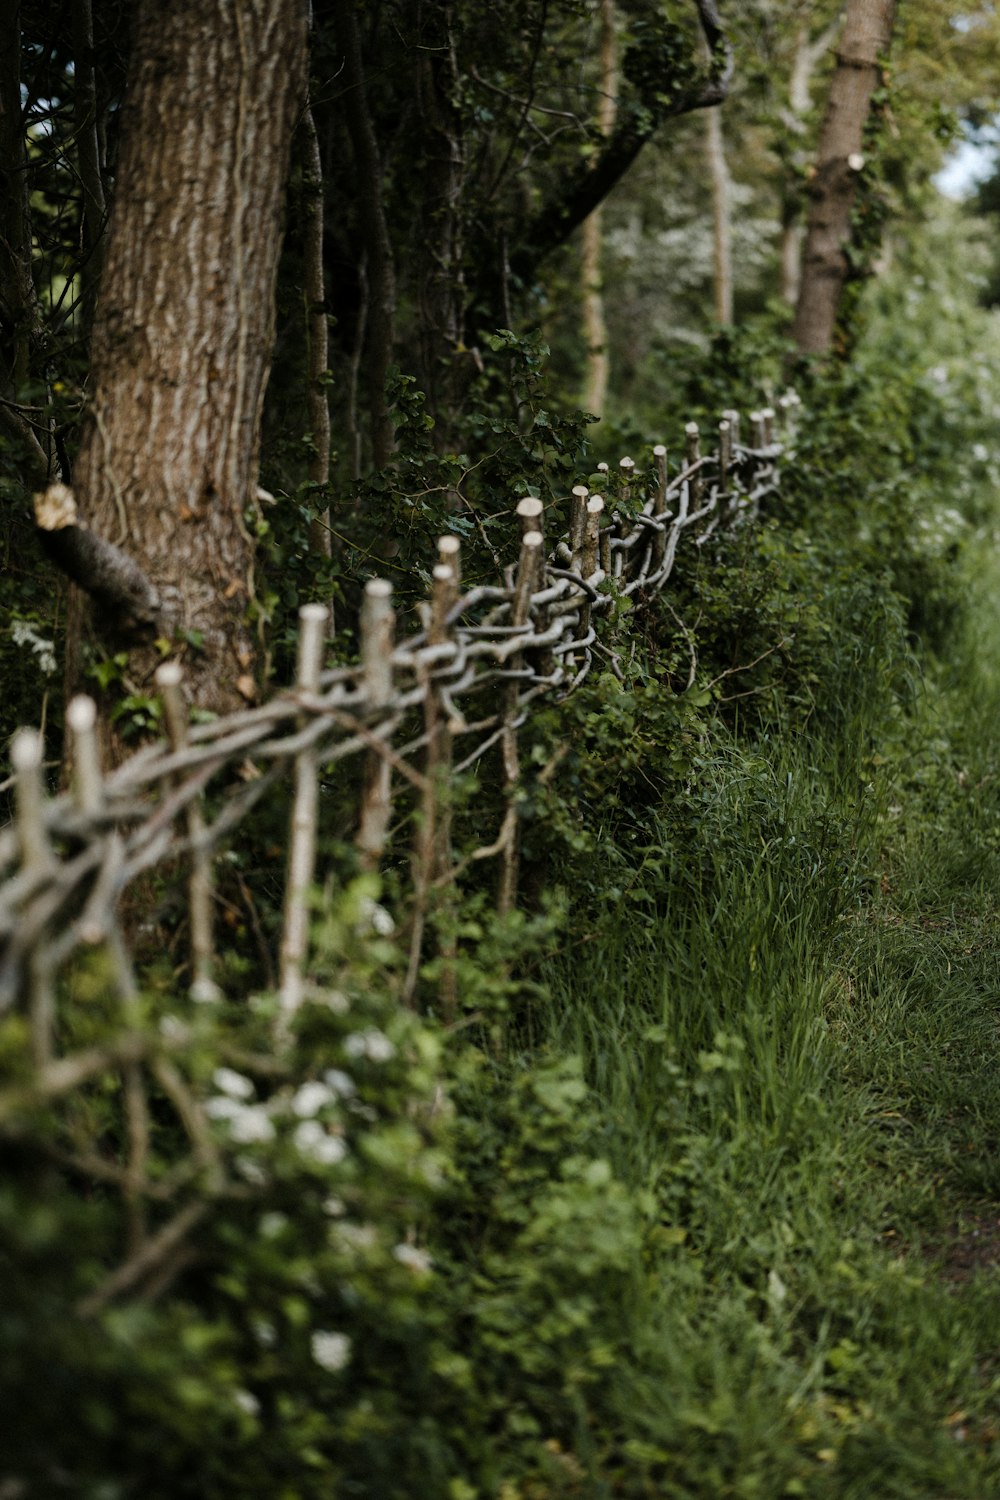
[595, 325]
[864, 41]
[167, 469]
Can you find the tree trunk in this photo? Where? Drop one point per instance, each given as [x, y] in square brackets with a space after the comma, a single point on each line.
[88, 154]
[377, 311]
[722, 224]
[594, 323]
[183, 326]
[19, 320]
[446, 365]
[865, 38]
[807, 56]
[317, 330]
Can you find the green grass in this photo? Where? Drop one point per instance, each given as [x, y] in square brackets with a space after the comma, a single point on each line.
[797, 1068]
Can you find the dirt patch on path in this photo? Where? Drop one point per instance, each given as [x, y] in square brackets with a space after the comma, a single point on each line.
[973, 1246]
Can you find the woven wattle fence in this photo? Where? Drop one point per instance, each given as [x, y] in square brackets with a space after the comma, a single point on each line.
[419, 711]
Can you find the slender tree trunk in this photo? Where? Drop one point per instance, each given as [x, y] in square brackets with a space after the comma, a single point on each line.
[19, 321]
[594, 322]
[804, 63]
[317, 332]
[722, 221]
[379, 321]
[183, 327]
[88, 153]
[866, 36]
[445, 360]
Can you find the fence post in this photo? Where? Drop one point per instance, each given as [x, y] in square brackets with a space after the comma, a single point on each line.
[27, 758]
[530, 513]
[201, 892]
[725, 457]
[660, 505]
[528, 570]
[692, 442]
[378, 628]
[432, 845]
[302, 832]
[81, 720]
[577, 523]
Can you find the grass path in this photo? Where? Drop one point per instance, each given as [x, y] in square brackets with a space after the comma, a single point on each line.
[799, 1065]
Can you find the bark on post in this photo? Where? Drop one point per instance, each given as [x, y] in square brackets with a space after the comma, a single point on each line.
[865, 39]
[183, 327]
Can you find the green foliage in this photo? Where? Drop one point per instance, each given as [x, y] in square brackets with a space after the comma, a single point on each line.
[510, 444]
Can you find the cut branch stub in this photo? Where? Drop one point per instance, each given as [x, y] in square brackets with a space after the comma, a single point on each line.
[88, 787]
[27, 758]
[758, 430]
[378, 628]
[443, 596]
[130, 604]
[450, 556]
[732, 416]
[660, 470]
[312, 637]
[529, 513]
[168, 680]
[626, 470]
[201, 892]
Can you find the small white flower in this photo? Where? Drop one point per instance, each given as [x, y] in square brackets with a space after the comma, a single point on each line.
[331, 1351]
[334, 1207]
[382, 921]
[265, 1333]
[414, 1259]
[247, 1402]
[373, 1044]
[250, 1124]
[272, 1224]
[221, 1107]
[980, 452]
[341, 1083]
[357, 1236]
[370, 913]
[314, 1141]
[310, 1098]
[250, 1170]
[334, 1000]
[23, 635]
[228, 1081]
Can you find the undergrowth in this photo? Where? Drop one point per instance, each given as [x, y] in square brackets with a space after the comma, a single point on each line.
[669, 1210]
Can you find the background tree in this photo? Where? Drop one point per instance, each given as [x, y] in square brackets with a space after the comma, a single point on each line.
[825, 269]
[167, 465]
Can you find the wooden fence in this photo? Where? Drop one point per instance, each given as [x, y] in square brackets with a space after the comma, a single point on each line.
[461, 688]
